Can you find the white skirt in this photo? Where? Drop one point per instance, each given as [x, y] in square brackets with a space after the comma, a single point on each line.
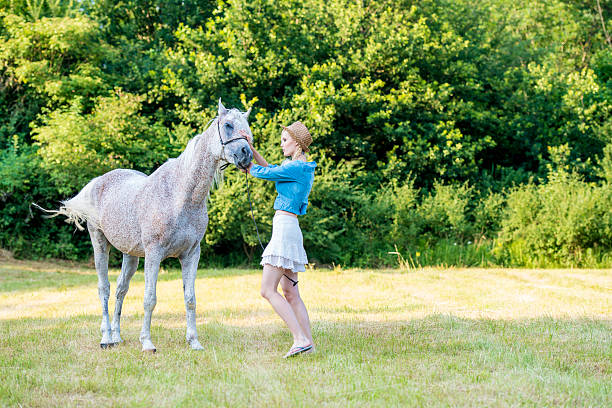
[286, 247]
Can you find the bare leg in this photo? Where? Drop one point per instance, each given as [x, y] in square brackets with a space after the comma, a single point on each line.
[152, 261]
[128, 268]
[189, 264]
[292, 294]
[101, 249]
[269, 285]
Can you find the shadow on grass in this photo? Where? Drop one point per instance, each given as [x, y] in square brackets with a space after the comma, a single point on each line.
[14, 279]
[17, 276]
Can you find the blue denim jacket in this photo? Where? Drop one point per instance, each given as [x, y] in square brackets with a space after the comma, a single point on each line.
[293, 183]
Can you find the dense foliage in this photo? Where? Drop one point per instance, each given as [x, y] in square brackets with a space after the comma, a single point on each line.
[446, 131]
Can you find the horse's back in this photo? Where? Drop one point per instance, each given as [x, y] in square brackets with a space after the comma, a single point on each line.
[117, 177]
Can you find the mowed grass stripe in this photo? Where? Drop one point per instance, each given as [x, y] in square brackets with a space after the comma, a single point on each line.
[456, 337]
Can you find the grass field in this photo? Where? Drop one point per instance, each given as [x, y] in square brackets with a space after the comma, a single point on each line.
[428, 337]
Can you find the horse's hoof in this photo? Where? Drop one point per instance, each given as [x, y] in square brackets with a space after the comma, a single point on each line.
[152, 351]
[106, 345]
[195, 345]
[148, 346]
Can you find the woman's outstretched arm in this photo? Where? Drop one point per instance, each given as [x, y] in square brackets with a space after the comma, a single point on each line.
[256, 155]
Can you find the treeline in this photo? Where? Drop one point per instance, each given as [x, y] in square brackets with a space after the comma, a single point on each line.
[446, 131]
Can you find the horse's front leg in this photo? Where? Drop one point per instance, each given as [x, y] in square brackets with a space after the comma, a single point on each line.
[151, 270]
[189, 263]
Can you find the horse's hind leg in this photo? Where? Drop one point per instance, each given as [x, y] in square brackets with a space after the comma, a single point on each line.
[101, 249]
[128, 268]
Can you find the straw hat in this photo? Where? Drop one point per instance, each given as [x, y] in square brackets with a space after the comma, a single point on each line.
[299, 132]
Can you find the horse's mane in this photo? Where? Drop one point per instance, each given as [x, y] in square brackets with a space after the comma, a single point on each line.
[188, 158]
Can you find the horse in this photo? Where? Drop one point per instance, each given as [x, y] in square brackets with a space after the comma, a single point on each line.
[158, 216]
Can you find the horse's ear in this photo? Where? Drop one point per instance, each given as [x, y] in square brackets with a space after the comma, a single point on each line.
[222, 109]
[246, 114]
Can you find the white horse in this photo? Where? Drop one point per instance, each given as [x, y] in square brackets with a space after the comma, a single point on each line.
[156, 217]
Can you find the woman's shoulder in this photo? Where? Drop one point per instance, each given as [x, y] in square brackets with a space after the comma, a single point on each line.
[310, 165]
[300, 164]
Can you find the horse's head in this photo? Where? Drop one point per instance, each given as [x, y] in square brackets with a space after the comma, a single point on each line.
[235, 147]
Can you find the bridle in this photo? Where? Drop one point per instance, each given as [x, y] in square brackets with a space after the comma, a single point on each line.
[224, 143]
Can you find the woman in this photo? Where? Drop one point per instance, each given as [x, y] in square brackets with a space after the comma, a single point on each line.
[284, 256]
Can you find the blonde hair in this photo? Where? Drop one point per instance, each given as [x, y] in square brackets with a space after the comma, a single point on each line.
[294, 157]
[297, 153]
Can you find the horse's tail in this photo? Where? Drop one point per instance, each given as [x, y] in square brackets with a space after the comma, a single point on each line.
[77, 210]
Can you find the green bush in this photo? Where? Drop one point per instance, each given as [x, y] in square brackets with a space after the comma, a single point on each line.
[402, 201]
[565, 222]
[338, 227]
[487, 215]
[445, 212]
[23, 229]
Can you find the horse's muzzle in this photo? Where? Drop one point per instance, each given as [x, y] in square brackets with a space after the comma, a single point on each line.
[244, 159]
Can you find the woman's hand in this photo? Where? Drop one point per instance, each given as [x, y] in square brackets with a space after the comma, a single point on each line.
[248, 137]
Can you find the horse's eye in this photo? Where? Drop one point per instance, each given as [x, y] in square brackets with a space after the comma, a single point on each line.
[229, 125]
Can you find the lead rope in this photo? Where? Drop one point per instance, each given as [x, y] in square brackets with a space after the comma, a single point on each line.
[256, 229]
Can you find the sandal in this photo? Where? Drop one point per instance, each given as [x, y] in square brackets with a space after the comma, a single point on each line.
[294, 351]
